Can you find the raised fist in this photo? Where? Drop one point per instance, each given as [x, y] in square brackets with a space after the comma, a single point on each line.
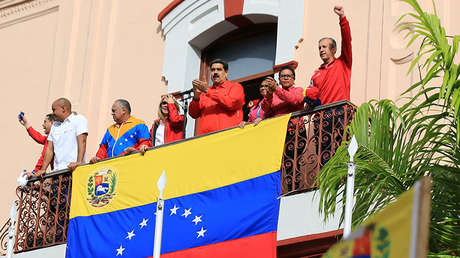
[339, 11]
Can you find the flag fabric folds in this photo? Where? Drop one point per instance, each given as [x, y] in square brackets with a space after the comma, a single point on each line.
[220, 198]
[398, 230]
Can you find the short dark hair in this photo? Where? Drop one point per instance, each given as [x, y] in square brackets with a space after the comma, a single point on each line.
[333, 43]
[219, 61]
[123, 103]
[287, 67]
[51, 117]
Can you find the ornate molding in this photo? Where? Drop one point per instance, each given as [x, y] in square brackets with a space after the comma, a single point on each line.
[12, 11]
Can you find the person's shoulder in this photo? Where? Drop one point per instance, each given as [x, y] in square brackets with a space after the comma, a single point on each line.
[298, 88]
[111, 127]
[341, 61]
[137, 121]
[78, 118]
[233, 84]
[55, 124]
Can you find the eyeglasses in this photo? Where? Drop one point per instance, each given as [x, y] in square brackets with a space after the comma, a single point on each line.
[286, 76]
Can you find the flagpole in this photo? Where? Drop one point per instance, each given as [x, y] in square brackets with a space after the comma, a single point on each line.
[159, 217]
[352, 149]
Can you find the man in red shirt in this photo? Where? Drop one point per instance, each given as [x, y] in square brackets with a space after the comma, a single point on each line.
[331, 82]
[38, 137]
[220, 105]
[285, 99]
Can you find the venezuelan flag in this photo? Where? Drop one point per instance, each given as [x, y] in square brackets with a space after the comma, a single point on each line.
[220, 198]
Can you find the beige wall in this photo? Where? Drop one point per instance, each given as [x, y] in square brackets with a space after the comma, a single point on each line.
[380, 59]
[96, 51]
[89, 51]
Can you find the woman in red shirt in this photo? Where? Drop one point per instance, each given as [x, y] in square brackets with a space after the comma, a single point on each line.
[169, 125]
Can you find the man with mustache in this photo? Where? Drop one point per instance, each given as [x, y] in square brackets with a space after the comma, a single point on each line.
[331, 82]
[127, 135]
[218, 106]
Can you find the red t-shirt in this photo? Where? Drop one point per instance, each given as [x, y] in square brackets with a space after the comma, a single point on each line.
[331, 82]
[219, 108]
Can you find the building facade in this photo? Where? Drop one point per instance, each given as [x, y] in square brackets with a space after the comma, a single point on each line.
[94, 52]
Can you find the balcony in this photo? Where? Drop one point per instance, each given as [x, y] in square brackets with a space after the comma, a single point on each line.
[311, 140]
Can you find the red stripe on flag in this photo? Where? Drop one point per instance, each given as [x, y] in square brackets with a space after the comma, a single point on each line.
[263, 246]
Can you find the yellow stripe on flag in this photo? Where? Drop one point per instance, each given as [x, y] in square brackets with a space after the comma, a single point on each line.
[192, 166]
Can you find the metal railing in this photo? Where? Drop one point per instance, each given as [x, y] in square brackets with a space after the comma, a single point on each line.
[4, 231]
[43, 211]
[312, 138]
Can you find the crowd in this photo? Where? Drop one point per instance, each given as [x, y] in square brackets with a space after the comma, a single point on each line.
[217, 107]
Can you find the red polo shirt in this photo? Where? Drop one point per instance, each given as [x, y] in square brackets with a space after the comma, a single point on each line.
[219, 108]
[331, 82]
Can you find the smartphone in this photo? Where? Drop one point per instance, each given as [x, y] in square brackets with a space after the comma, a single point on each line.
[21, 116]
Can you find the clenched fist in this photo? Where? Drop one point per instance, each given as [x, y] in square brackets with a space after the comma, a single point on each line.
[339, 11]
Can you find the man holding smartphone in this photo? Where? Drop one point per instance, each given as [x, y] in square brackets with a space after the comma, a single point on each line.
[38, 137]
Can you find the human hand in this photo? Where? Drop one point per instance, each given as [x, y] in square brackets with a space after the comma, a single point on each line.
[29, 174]
[201, 85]
[38, 173]
[143, 149]
[23, 120]
[170, 99]
[339, 11]
[272, 85]
[196, 94]
[130, 150]
[73, 165]
[94, 159]
[257, 121]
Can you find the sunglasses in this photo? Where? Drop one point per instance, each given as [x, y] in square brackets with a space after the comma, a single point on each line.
[164, 103]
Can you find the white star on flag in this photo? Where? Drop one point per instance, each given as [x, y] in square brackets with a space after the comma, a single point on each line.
[143, 223]
[130, 235]
[186, 213]
[174, 210]
[197, 219]
[120, 251]
[201, 232]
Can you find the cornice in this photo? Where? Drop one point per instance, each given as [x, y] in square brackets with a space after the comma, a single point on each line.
[18, 10]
